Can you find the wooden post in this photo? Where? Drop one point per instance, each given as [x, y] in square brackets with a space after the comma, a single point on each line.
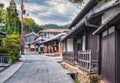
[90, 60]
[22, 43]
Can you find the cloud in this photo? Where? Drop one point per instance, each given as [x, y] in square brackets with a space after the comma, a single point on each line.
[50, 11]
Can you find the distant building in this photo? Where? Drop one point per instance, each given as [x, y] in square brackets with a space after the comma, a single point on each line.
[48, 40]
[28, 39]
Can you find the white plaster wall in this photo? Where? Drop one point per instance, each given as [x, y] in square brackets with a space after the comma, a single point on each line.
[51, 35]
[69, 45]
[39, 49]
[83, 42]
[40, 38]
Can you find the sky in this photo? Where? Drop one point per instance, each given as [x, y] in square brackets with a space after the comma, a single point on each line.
[59, 12]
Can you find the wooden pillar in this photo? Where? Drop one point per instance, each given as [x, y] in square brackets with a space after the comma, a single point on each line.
[75, 50]
[86, 37]
[65, 42]
[47, 49]
[99, 55]
[57, 42]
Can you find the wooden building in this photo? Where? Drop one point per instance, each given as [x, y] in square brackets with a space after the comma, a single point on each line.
[79, 41]
[93, 42]
[28, 39]
[48, 40]
[109, 36]
[53, 45]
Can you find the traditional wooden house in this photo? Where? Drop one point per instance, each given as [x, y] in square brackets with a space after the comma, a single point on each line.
[79, 41]
[109, 36]
[54, 45]
[94, 41]
[28, 39]
[48, 41]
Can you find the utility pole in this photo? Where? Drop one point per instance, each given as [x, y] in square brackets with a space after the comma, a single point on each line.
[22, 41]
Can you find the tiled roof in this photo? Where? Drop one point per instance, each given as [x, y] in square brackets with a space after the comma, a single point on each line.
[52, 30]
[31, 33]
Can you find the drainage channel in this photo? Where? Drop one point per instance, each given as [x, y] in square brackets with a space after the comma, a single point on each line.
[73, 74]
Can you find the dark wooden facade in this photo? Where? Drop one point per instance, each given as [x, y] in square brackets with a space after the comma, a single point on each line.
[110, 53]
[118, 53]
[108, 57]
[86, 50]
[90, 53]
[109, 38]
[85, 45]
[101, 41]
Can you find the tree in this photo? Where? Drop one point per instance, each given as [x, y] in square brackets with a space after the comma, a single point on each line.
[12, 43]
[12, 27]
[1, 5]
[13, 21]
[30, 25]
[1, 8]
[50, 26]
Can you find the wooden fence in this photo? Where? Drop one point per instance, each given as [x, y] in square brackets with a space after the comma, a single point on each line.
[69, 57]
[88, 61]
[84, 60]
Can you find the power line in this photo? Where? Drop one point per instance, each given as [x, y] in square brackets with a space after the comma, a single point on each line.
[35, 10]
[72, 4]
[29, 8]
[55, 2]
[44, 13]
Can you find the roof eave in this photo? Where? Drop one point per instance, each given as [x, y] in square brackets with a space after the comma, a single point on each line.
[108, 8]
[74, 30]
[102, 27]
[83, 12]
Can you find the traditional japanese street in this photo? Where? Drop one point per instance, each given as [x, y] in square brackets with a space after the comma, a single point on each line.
[40, 69]
[59, 41]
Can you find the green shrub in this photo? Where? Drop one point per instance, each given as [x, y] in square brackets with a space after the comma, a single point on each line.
[77, 80]
[12, 43]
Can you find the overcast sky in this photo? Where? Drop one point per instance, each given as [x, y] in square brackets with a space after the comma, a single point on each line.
[49, 11]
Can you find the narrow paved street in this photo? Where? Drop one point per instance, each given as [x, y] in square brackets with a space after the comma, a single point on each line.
[40, 69]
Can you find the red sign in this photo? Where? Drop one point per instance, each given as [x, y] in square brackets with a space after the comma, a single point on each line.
[49, 43]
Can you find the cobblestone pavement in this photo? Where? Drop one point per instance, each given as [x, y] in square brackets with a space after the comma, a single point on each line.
[40, 69]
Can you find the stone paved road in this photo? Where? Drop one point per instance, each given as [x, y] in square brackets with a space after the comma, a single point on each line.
[40, 69]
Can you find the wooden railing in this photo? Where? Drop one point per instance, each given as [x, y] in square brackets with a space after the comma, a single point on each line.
[69, 57]
[88, 61]
[94, 62]
[84, 60]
